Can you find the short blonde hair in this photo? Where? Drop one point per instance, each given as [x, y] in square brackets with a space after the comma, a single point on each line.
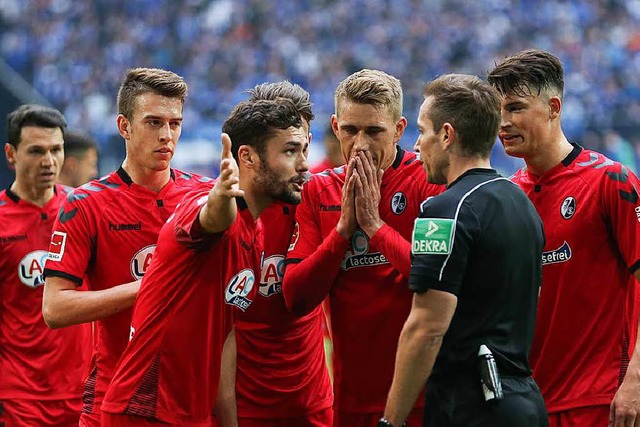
[371, 87]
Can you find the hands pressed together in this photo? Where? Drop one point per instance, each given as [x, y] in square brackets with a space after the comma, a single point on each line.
[361, 196]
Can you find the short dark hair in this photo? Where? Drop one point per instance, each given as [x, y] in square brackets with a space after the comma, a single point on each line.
[77, 143]
[285, 89]
[471, 106]
[253, 122]
[527, 73]
[139, 81]
[32, 115]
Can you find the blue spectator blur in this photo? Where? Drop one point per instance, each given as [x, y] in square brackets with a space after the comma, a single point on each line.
[75, 53]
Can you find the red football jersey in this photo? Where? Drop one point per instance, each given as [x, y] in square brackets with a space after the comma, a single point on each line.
[281, 369]
[587, 313]
[171, 368]
[107, 231]
[36, 363]
[369, 299]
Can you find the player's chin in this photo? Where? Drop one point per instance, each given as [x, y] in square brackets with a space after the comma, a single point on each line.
[291, 197]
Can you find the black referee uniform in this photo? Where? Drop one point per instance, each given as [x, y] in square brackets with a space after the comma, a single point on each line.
[482, 241]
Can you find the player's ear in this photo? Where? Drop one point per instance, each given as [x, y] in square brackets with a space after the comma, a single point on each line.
[247, 156]
[401, 125]
[555, 106]
[10, 153]
[124, 126]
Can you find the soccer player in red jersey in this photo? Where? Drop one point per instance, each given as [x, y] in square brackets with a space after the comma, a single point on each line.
[352, 243]
[282, 378]
[40, 369]
[585, 355]
[207, 263]
[107, 229]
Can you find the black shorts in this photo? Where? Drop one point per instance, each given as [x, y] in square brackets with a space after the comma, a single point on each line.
[458, 402]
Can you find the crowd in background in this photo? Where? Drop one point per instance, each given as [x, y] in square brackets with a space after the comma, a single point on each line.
[76, 53]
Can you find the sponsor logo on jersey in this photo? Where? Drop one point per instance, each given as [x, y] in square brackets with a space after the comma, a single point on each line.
[239, 288]
[330, 208]
[271, 277]
[8, 239]
[31, 268]
[141, 261]
[562, 254]
[294, 237]
[132, 332]
[358, 253]
[398, 203]
[568, 207]
[637, 209]
[125, 226]
[58, 242]
[432, 236]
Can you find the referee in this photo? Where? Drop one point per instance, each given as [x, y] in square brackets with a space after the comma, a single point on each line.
[476, 270]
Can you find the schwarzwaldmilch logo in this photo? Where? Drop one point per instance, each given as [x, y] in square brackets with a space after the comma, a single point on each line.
[568, 208]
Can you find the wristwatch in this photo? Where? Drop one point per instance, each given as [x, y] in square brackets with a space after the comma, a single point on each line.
[384, 422]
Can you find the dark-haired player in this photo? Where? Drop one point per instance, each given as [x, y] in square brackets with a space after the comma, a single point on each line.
[585, 355]
[40, 369]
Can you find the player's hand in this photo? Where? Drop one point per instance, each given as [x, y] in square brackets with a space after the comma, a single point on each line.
[368, 180]
[221, 210]
[228, 183]
[347, 223]
[625, 407]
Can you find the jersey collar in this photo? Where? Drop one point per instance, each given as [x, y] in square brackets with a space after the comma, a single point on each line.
[15, 198]
[124, 176]
[577, 149]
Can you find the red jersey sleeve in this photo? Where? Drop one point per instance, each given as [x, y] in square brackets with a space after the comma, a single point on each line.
[395, 248]
[187, 228]
[72, 240]
[621, 205]
[312, 262]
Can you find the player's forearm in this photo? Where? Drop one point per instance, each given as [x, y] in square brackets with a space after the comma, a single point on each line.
[307, 283]
[217, 214]
[66, 307]
[417, 351]
[226, 408]
[394, 247]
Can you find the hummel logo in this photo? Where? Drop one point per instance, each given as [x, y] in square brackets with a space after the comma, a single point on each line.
[330, 208]
[125, 227]
[9, 239]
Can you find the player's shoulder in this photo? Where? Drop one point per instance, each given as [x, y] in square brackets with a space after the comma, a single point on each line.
[598, 171]
[325, 180]
[189, 179]
[593, 165]
[4, 199]
[519, 176]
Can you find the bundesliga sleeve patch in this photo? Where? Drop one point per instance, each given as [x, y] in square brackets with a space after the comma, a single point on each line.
[56, 248]
[432, 236]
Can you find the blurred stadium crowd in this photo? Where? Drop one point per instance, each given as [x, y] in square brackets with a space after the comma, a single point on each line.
[76, 52]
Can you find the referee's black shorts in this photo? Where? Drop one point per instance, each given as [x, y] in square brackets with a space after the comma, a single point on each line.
[457, 401]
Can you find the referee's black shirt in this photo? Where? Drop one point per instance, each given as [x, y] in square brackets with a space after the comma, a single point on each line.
[482, 241]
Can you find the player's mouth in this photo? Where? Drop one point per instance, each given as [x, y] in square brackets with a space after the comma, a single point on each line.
[508, 139]
[298, 183]
[48, 175]
[165, 152]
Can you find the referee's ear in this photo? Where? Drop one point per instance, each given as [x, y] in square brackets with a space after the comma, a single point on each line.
[449, 135]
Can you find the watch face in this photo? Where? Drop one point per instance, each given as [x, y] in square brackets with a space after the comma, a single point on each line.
[383, 422]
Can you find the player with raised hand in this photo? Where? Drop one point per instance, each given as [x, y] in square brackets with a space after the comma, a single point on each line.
[204, 269]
